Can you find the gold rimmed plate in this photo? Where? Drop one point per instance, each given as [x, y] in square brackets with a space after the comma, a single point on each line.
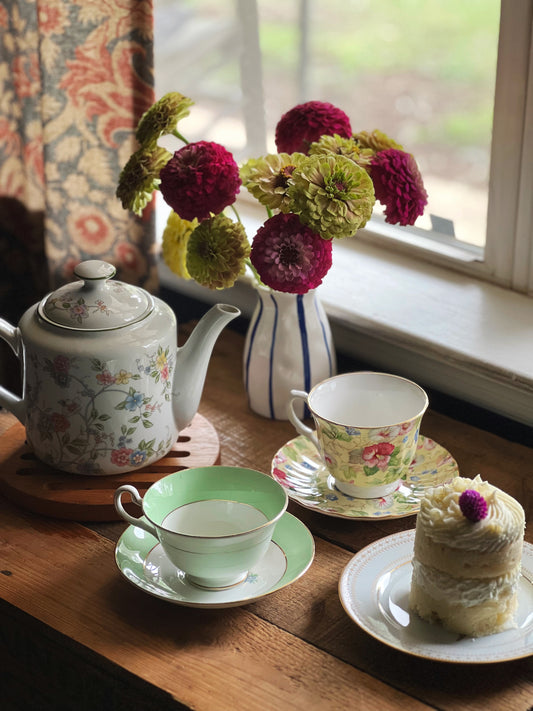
[374, 592]
[299, 469]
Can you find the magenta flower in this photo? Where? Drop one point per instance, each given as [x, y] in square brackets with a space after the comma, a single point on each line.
[289, 256]
[398, 185]
[305, 123]
[473, 506]
[199, 180]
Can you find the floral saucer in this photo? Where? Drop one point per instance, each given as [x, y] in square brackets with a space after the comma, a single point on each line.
[374, 592]
[142, 561]
[298, 468]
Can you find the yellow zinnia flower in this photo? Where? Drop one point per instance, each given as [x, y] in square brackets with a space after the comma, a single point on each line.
[175, 239]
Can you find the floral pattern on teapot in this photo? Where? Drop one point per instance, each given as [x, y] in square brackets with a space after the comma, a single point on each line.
[77, 307]
[76, 431]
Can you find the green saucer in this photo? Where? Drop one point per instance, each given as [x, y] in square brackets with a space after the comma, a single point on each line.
[142, 561]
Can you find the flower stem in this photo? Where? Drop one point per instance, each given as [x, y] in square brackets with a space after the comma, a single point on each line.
[236, 213]
[254, 271]
[176, 133]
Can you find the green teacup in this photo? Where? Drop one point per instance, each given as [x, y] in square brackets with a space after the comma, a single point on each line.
[214, 523]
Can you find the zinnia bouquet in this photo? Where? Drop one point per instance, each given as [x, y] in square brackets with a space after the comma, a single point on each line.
[321, 185]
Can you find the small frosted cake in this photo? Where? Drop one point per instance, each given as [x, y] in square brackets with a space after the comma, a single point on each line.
[467, 557]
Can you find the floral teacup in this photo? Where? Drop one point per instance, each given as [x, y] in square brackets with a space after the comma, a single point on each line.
[367, 427]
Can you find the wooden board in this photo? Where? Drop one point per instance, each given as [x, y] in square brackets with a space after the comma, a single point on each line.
[35, 486]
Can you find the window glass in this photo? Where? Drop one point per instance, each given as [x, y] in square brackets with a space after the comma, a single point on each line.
[423, 72]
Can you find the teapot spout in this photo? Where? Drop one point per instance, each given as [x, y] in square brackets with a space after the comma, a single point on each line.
[192, 360]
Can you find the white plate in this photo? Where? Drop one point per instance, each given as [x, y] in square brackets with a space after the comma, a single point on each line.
[298, 468]
[374, 591]
[142, 561]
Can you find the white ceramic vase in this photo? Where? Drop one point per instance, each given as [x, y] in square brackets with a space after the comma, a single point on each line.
[288, 345]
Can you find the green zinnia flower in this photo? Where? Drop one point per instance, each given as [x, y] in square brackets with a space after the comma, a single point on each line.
[337, 145]
[217, 252]
[375, 140]
[268, 178]
[175, 239]
[332, 195]
[162, 118]
[140, 177]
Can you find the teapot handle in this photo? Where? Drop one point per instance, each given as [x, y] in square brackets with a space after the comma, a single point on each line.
[11, 335]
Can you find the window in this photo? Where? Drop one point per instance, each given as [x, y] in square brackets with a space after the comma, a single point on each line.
[431, 85]
[402, 299]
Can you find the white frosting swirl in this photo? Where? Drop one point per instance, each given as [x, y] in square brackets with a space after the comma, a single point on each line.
[443, 521]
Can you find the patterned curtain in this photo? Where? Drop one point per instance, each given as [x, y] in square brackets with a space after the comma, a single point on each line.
[75, 76]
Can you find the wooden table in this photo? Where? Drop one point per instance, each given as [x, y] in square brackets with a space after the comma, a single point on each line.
[75, 635]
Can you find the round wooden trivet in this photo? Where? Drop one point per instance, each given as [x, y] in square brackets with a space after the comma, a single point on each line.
[37, 487]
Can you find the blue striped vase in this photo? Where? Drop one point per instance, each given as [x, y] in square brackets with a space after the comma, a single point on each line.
[288, 345]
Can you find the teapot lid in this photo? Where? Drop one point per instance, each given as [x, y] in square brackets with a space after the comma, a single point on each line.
[95, 303]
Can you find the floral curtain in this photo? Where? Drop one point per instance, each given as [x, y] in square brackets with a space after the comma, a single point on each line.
[75, 76]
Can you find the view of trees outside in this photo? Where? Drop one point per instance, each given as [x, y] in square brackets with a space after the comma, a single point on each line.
[422, 72]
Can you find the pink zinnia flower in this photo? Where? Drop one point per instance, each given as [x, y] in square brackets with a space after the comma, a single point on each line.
[201, 178]
[398, 185]
[289, 256]
[305, 123]
[378, 455]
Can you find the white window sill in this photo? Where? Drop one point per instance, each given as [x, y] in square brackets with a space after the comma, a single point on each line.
[448, 331]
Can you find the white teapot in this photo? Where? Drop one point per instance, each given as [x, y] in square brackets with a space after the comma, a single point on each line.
[106, 390]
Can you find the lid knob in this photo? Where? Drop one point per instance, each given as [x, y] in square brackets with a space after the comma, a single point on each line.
[94, 270]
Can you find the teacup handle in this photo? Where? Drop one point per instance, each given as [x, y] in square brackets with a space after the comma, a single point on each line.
[141, 521]
[293, 417]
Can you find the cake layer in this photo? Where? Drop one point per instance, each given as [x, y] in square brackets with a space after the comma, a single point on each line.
[464, 563]
[464, 591]
[484, 618]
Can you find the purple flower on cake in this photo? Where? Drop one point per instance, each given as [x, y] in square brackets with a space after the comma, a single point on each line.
[473, 506]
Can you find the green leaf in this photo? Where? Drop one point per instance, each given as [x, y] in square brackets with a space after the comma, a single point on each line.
[73, 450]
[370, 471]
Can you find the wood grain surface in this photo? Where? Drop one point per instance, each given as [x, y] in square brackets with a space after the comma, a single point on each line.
[63, 603]
[39, 488]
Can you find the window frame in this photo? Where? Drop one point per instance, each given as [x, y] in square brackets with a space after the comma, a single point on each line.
[507, 258]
